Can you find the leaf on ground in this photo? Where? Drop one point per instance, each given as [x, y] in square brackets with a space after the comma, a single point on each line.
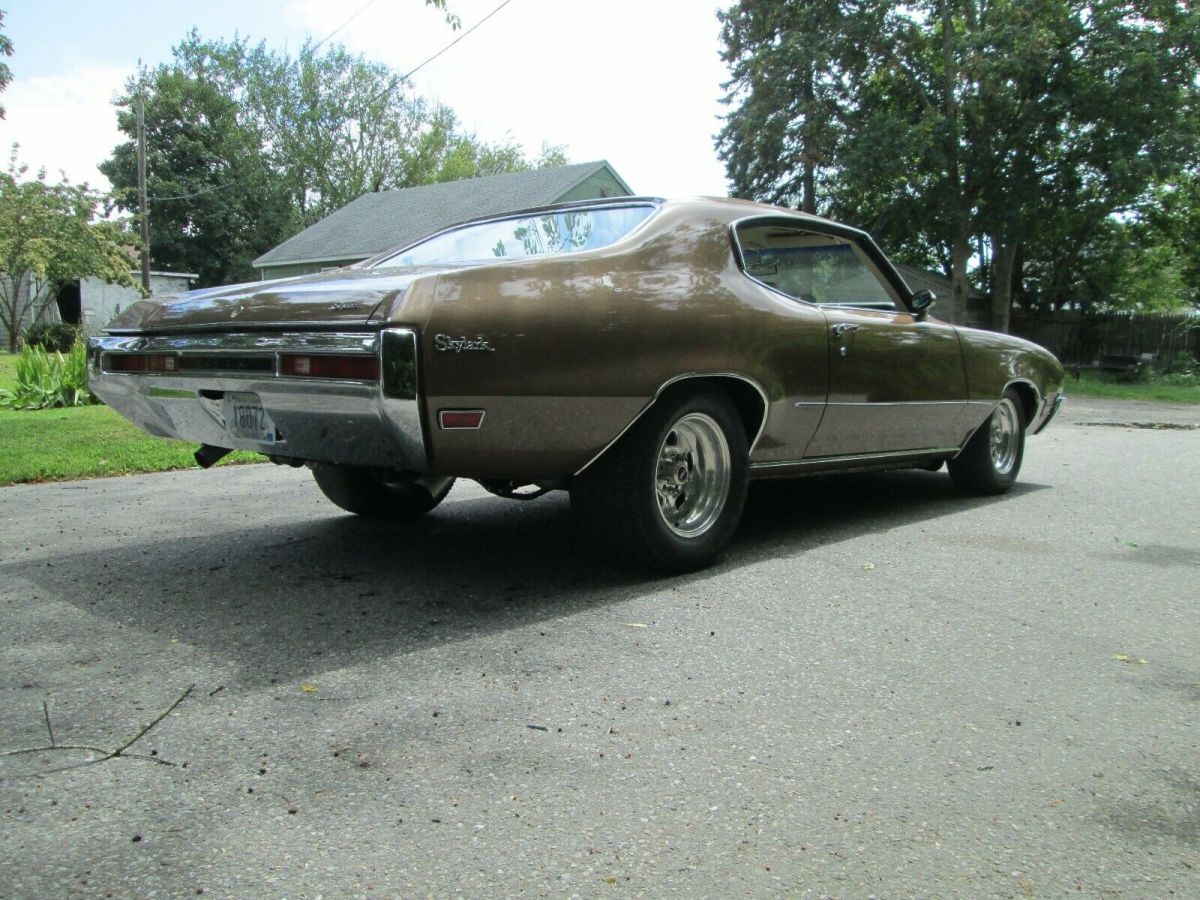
[308, 688]
[868, 566]
[1131, 660]
[1125, 542]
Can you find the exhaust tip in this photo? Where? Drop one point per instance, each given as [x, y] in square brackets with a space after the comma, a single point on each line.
[208, 455]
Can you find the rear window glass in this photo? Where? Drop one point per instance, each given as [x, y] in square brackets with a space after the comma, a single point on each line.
[543, 234]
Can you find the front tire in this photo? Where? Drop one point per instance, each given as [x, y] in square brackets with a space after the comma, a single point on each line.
[380, 493]
[670, 493]
[992, 458]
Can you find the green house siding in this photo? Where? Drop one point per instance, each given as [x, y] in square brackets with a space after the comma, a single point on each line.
[291, 270]
[601, 184]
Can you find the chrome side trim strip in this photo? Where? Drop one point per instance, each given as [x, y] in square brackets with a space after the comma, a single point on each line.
[986, 403]
[855, 458]
[685, 377]
[240, 342]
[311, 328]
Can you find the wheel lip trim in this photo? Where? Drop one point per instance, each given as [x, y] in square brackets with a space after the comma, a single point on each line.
[713, 471]
[673, 382]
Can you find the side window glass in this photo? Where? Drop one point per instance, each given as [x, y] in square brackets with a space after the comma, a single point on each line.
[816, 268]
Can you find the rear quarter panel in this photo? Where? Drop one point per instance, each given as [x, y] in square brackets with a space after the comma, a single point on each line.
[580, 344]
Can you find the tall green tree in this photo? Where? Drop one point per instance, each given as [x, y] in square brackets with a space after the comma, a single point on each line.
[49, 234]
[989, 130]
[1173, 217]
[215, 203]
[6, 49]
[248, 145]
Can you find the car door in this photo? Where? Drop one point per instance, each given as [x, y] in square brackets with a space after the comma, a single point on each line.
[895, 383]
[896, 380]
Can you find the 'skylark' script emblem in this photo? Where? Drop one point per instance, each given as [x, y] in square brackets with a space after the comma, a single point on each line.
[443, 343]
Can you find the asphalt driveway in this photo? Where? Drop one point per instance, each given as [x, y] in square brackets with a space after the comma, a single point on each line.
[884, 688]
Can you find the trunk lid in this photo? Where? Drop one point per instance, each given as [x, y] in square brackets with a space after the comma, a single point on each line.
[345, 298]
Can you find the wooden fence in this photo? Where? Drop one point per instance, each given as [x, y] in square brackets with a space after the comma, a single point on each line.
[1084, 340]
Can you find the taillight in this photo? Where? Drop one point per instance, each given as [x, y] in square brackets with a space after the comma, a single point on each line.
[356, 368]
[143, 362]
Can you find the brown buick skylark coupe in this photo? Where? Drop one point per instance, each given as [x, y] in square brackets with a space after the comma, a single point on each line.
[649, 356]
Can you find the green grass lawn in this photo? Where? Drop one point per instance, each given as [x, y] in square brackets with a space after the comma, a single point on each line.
[83, 442]
[1090, 384]
[8, 369]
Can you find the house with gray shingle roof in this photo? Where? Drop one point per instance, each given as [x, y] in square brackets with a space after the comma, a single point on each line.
[376, 222]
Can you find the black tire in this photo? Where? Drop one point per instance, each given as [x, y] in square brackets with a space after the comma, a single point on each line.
[616, 501]
[380, 493]
[992, 458]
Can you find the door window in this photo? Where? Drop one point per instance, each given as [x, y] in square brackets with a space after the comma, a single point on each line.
[813, 267]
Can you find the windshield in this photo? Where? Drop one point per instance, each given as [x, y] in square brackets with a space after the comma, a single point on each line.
[543, 234]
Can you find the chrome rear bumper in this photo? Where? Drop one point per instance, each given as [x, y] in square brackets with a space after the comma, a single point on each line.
[367, 423]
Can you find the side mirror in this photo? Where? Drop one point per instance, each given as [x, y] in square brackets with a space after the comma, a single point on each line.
[922, 302]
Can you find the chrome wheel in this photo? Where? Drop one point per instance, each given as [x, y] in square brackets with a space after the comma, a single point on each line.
[692, 475]
[1003, 440]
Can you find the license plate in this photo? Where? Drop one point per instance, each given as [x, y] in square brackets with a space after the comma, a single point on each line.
[245, 418]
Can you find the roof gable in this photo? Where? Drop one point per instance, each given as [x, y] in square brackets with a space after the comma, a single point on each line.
[379, 221]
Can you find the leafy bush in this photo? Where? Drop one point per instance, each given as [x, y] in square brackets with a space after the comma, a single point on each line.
[53, 337]
[1182, 379]
[47, 380]
[1183, 363]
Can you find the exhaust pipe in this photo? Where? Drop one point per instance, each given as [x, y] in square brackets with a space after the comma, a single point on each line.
[208, 455]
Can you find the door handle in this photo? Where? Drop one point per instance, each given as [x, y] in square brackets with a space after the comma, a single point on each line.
[843, 328]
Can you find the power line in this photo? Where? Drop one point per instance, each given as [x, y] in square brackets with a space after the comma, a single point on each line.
[400, 78]
[323, 40]
[396, 80]
[201, 193]
[455, 41]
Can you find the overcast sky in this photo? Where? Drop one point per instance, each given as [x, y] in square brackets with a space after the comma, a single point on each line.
[636, 82]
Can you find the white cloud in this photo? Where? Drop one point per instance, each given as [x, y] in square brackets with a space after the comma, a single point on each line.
[65, 122]
[633, 81]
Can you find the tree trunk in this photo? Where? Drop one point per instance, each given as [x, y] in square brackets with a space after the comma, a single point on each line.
[960, 252]
[808, 176]
[1004, 257]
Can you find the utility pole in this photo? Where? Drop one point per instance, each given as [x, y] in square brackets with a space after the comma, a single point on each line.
[143, 212]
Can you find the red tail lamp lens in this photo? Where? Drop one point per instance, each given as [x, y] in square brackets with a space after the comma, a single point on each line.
[356, 368]
[460, 418]
[143, 362]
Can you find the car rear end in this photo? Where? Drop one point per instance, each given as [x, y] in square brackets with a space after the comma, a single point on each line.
[302, 371]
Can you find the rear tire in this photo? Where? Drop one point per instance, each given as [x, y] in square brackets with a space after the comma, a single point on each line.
[992, 458]
[380, 493]
[670, 492]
